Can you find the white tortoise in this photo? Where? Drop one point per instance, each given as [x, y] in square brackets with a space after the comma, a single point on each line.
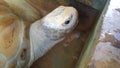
[16, 51]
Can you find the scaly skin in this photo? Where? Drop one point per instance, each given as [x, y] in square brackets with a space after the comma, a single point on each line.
[50, 30]
[11, 38]
[15, 52]
[23, 9]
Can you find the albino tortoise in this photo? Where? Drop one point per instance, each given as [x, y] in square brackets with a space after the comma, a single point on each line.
[20, 47]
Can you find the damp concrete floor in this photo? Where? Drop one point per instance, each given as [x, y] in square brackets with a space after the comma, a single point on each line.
[107, 52]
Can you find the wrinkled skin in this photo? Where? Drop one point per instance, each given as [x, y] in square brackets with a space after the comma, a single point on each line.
[51, 29]
[11, 38]
[21, 46]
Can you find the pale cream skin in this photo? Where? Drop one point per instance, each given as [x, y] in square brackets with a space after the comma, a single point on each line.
[16, 52]
[50, 30]
[23, 9]
[11, 38]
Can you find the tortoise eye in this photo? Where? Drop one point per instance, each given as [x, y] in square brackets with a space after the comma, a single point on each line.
[67, 22]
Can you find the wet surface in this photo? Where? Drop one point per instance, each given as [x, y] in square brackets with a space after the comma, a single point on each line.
[66, 53]
[111, 38]
[107, 53]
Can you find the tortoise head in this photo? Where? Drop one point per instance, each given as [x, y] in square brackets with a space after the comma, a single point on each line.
[60, 21]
